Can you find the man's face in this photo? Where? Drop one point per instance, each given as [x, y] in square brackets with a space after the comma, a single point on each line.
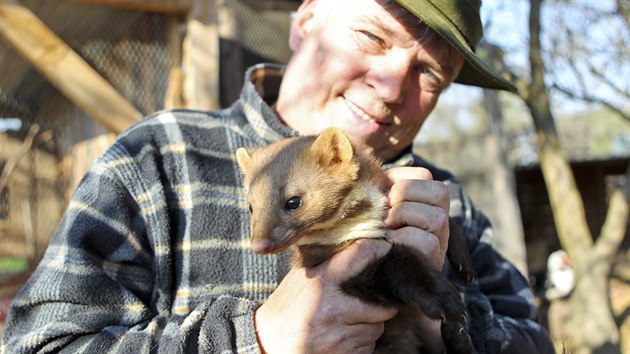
[356, 67]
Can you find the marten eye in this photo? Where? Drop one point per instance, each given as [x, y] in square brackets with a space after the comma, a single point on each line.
[249, 206]
[293, 203]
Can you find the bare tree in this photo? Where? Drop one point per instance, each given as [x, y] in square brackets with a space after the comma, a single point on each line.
[507, 220]
[593, 328]
[587, 52]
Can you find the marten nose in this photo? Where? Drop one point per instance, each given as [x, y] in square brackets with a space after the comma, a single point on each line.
[262, 245]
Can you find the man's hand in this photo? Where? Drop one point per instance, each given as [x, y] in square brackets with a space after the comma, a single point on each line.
[308, 313]
[418, 218]
[418, 212]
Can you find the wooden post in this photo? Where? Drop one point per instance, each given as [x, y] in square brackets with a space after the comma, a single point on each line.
[508, 226]
[161, 6]
[64, 68]
[201, 57]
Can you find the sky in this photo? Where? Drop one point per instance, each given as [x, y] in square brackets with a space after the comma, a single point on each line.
[506, 24]
[7, 124]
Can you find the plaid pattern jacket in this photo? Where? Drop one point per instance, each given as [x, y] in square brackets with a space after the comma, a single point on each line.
[152, 253]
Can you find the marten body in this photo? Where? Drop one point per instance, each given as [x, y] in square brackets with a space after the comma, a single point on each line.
[317, 195]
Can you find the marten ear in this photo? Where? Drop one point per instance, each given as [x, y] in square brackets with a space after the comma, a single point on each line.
[332, 147]
[244, 159]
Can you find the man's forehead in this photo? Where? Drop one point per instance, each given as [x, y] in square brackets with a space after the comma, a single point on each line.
[398, 23]
[400, 13]
[399, 19]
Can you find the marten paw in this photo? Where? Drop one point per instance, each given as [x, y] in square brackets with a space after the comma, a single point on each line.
[443, 302]
[454, 309]
[456, 338]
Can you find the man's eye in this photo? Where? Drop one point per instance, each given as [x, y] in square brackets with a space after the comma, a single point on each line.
[428, 80]
[423, 70]
[372, 37]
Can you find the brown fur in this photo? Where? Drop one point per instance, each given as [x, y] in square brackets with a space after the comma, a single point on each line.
[341, 199]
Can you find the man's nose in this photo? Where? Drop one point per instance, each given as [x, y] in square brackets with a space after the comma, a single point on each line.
[390, 76]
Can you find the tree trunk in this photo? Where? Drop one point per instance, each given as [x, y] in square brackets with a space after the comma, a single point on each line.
[509, 235]
[592, 328]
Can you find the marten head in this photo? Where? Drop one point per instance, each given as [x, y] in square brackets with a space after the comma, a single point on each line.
[296, 186]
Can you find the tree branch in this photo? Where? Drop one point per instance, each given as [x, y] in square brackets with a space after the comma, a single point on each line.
[21, 151]
[614, 229]
[597, 73]
[592, 99]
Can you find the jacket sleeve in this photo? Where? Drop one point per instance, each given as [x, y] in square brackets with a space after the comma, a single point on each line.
[107, 283]
[503, 316]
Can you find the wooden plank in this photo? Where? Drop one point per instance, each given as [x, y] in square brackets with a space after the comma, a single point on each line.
[83, 156]
[161, 6]
[64, 68]
[200, 57]
[10, 146]
[34, 200]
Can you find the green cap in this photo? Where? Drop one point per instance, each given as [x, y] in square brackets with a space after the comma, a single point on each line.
[459, 23]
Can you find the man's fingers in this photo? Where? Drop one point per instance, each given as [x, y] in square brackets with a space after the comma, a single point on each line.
[356, 338]
[428, 192]
[418, 212]
[400, 173]
[420, 226]
[343, 266]
[425, 242]
[360, 312]
[423, 216]
[353, 259]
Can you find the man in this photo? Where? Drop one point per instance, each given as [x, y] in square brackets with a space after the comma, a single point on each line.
[152, 254]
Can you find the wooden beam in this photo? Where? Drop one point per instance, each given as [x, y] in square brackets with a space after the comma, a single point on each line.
[200, 57]
[161, 6]
[64, 68]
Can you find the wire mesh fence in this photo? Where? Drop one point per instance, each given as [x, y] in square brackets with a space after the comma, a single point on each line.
[40, 128]
[44, 135]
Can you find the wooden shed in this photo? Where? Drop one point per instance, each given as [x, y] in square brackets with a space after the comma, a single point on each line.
[75, 73]
[595, 180]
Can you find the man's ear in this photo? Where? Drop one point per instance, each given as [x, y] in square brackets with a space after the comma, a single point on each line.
[301, 23]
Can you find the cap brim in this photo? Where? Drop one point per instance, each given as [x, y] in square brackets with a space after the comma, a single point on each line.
[475, 71]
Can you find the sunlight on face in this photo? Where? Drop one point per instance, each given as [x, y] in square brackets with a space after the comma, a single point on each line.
[361, 67]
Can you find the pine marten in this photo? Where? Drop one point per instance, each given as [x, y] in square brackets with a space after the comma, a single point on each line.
[316, 195]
